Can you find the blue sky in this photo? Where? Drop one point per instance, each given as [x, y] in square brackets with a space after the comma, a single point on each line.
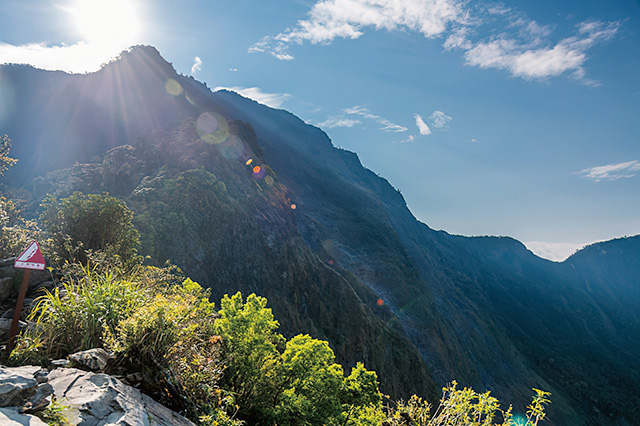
[516, 118]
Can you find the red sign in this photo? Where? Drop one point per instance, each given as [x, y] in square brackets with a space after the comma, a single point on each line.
[31, 258]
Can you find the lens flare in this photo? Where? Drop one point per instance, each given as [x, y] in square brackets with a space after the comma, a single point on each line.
[293, 207]
[249, 161]
[269, 180]
[232, 148]
[212, 128]
[380, 302]
[259, 172]
[173, 87]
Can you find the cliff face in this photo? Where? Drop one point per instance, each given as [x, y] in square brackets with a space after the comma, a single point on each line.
[330, 244]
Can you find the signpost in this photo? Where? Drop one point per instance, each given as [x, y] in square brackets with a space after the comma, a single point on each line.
[29, 259]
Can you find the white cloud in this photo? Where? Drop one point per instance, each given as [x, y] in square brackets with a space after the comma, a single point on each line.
[387, 126]
[521, 46]
[197, 65]
[527, 55]
[273, 100]
[331, 19]
[106, 27]
[557, 252]
[77, 58]
[422, 126]
[440, 120]
[332, 122]
[410, 138]
[611, 171]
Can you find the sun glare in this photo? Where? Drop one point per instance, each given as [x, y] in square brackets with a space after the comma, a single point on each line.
[112, 23]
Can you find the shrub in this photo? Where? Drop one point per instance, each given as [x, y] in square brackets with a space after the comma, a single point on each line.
[83, 223]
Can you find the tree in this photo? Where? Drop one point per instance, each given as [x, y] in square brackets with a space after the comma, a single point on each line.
[5, 160]
[250, 345]
[82, 223]
[312, 382]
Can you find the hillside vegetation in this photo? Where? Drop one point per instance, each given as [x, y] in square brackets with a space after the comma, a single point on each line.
[225, 366]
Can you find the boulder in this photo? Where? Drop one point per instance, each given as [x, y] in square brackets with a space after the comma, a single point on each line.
[11, 416]
[5, 328]
[17, 385]
[101, 399]
[93, 359]
[6, 288]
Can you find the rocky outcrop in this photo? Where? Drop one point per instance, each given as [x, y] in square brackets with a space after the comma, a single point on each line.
[89, 399]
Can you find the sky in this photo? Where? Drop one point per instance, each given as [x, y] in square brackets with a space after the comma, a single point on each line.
[517, 118]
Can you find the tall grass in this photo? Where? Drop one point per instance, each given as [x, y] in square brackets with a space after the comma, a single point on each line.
[75, 316]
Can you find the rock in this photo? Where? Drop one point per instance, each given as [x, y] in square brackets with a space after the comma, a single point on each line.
[60, 363]
[101, 399]
[93, 360]
[40, 287]
[7, 271]
[5, 328]
[17, 385]
[6, 288]
[7, 262]
[10, 416]
[41, 399]
[38, 277]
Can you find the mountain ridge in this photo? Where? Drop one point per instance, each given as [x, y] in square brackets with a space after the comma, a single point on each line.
[482, 310]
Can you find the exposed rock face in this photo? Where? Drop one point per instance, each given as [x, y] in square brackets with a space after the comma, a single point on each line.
[91, 399]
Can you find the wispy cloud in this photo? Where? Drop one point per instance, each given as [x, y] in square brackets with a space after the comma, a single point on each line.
[197, 65]
[611, 171]
[422, 126]
[440, 120]
[517, 44]
[531, 58]
[410, 138]
[387, 126]
[332, 122]
[273, 100]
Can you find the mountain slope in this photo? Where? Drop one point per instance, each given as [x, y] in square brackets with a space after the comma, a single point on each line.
[350, 263]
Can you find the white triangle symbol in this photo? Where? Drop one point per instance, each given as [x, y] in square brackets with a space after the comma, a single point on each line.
[28, 253]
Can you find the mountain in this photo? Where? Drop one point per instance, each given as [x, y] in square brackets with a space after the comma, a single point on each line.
[245, 197]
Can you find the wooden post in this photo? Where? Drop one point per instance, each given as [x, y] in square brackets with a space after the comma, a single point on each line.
[18, 312]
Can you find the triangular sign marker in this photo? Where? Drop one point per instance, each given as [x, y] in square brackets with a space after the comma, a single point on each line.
[31, 258]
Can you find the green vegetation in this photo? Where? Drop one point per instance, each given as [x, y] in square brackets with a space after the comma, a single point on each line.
[230, 366]
[226, 367]
[82, 223]
[5, 160]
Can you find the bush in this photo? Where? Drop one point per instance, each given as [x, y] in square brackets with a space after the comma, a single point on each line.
[82, 223]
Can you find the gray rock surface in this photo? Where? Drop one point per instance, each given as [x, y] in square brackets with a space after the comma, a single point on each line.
[99, 399]
[5, 328]
[91, 399]
[17, 385]
[11, 416]
[6, 288]
[93, 359]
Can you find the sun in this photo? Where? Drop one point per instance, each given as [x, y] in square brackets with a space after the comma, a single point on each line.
[112, 23]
